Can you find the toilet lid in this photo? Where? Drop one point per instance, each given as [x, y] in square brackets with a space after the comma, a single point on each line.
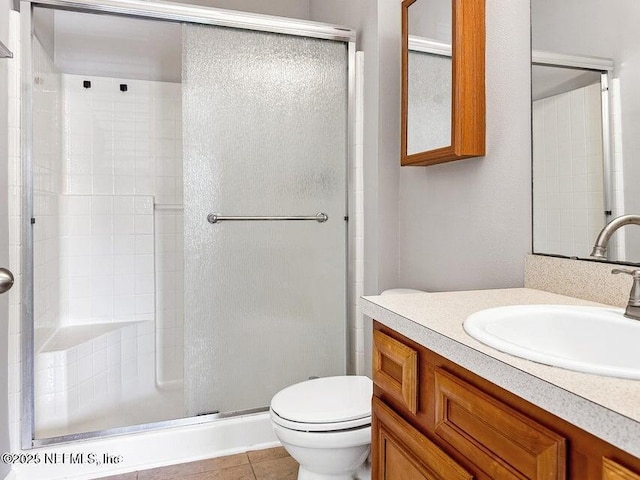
[325, 400]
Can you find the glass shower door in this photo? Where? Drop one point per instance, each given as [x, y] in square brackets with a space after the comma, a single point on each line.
[265, 134]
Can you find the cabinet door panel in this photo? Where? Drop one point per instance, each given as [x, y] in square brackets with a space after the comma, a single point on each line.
[499, 440]
[395, 369]
[614, 471]
[400, 452]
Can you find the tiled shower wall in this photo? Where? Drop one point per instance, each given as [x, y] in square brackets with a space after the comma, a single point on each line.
[127, 145]
[356, 362]
[90, 369]
[107, 154]
[568, 204]
[169, 234]
[47, 159]
[107, 259]
[122, 142]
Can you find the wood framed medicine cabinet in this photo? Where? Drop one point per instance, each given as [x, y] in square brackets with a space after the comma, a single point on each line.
[466, 51]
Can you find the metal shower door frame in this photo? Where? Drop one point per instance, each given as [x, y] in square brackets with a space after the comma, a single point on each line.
[171, 12]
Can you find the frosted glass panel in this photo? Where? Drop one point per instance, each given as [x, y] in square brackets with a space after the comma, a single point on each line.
[429, 113]
[264, 120]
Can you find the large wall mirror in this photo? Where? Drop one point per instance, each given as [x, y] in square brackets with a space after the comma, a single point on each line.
[586, 115]
[443, 102]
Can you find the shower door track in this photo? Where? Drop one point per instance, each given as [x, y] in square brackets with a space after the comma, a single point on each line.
[177, 422]
[171, 12]
[175, 12]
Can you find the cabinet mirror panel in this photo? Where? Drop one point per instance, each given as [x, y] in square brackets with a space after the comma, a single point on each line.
[585, 115]
[429, 76]
[443, 100]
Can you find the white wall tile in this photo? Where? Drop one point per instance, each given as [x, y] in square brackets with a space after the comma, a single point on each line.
[102, 228]
[145, 303]
[568, 183]
[102, 286]
[86, 392]
[125, 307]
[100, 224]
[143, 224]
[124, 185]
[85, 370]
[124, 285]
[144, 244]
[79, 225]
[123, 225]
[123, 244]
[143, 205]
[123, 265]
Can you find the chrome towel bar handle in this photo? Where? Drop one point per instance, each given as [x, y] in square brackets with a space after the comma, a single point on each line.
[217, 218]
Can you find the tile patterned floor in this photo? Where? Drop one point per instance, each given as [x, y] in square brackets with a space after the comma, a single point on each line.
[269, 464]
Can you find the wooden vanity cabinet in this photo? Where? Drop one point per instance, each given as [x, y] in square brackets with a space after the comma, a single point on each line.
[614, 471]
[407, 453]
[432, 419]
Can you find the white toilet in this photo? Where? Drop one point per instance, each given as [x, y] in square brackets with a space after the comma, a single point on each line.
[325, 424]
[401, 291]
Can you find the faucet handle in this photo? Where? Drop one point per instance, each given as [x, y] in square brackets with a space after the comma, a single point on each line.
[635, 273]
[633, 307]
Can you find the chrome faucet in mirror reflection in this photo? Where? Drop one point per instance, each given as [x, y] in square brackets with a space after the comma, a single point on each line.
[600, 251]
[600, 247]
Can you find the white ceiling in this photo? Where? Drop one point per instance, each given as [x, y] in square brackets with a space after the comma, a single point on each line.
[549, 81]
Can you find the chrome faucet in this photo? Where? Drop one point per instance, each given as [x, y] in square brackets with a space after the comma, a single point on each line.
[600, 248]
[633, 307]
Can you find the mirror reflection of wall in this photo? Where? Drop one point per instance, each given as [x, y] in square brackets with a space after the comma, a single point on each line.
[569, 204]
[431, 19]
[583, 29]
[429, 105]
[429, 76]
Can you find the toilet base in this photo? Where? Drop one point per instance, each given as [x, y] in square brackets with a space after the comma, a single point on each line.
[363, 473]
[339, 455]
[307, 475]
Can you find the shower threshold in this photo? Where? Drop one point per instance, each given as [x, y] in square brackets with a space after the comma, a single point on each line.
[161, 447]
[146, 427]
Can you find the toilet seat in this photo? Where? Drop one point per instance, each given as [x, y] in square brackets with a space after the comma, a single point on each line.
[320, 427]
[324, 404]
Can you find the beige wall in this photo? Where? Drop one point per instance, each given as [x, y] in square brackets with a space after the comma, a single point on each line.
[378, 25]
[456, 226]
[467, 224]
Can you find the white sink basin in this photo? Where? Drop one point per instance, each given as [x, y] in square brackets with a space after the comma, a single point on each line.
[587, 339]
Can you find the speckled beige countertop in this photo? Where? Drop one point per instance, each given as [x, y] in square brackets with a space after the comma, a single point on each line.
[606, 407]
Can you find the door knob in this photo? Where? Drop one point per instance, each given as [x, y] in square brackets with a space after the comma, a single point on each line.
[6, 280]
